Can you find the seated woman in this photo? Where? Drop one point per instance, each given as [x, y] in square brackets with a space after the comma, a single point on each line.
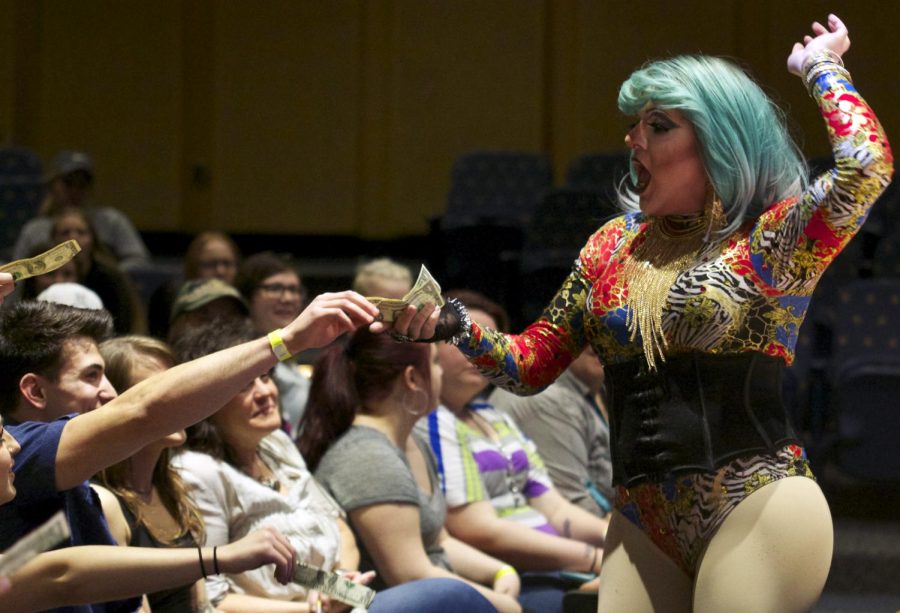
[98, 271]
[210, 255]
[365, 398]
[274, 291]
[81, 575]
[244, 472]
[500, 496]
[143, 497]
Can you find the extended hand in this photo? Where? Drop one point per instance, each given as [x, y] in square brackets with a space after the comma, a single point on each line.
[327, 317]
[833, 38]
[260, 547]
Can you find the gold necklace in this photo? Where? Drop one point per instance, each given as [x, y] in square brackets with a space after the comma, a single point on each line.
[667, 248]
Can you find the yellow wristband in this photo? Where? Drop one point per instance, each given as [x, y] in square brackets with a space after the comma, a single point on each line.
[278, 347]
[506, 569]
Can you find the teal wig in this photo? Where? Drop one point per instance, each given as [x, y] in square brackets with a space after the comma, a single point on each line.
[749, 157]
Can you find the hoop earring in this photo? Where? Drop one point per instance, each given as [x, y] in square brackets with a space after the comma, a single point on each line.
[414, 410]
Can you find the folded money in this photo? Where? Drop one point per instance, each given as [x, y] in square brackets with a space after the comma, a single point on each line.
[425, 291]
[334, 585]
[46, 262]
[50, 534]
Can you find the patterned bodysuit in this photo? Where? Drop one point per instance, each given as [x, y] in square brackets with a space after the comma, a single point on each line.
[747, 293]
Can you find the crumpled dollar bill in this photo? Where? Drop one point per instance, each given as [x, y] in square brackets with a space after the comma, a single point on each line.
[426, 290]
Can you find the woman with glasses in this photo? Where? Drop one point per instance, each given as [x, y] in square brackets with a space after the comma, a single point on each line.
[211, 255]
[272, 287]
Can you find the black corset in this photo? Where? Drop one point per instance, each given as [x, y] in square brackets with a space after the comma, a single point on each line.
[695, 414]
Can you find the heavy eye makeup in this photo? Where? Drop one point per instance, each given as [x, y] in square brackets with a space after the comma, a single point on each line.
[659, 121]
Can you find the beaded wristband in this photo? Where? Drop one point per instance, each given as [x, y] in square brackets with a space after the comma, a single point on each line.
[464, 331]
[504, 570]
[819, 63]
[278, 347]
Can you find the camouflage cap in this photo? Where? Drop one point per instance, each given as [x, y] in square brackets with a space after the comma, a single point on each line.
[200, 292]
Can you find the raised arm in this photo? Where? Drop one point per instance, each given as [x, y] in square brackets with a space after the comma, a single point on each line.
[794, 242]
[187, 393]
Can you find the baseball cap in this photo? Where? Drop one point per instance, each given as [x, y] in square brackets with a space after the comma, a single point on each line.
[200, 292]
[72, 294]
[67, 162]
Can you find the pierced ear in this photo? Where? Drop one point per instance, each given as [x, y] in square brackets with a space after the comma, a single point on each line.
[410, 375]
[32, 388]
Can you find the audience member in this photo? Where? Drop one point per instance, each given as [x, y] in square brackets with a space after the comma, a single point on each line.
[204, 300]
[500, 497]
[383, 278]
[366, 396]
[273, 289]
[50, 368]
[144, 499]
[97, 271]
[210, 255]
[568, 424]
[70, 184]
[80, 575]
[245, 472]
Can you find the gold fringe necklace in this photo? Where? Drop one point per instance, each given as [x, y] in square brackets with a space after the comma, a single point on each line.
[668, 246]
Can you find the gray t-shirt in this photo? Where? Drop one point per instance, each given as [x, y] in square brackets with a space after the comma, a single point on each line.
[364, 467]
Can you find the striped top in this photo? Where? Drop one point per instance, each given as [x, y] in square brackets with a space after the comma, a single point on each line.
[472, 467]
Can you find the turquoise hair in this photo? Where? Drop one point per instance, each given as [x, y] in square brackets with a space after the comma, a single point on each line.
[749, 156]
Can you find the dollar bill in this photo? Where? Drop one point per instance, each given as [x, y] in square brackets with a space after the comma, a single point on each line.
[43, 263]
[54, 531]
[425, 291]
[334, 585]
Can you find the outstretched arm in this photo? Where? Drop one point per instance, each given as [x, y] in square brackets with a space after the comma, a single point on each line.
[189, 392]
[81, 575]
[793, 242]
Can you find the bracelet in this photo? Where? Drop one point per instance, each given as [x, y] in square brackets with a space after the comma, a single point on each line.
[216, 560]
[202, 566]
[464, 331]
[823, 56]
[504, 570]
[278, 347]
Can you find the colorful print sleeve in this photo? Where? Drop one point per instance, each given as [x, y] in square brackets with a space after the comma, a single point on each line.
[528, 362]
[794, 241]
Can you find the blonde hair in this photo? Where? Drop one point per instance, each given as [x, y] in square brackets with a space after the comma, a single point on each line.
[370, 274]
[122, 355]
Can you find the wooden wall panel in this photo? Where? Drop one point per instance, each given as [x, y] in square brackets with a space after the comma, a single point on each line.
[286, 113]
[344, 117]
[110, 84]
[464, 75]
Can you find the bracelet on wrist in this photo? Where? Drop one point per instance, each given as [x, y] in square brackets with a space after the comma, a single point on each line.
[202, 566]
[503, 571]
[278, 347]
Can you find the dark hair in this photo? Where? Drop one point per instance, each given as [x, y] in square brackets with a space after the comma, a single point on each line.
[192, 256]
[348, 374]
[477, 300]
[32, 335]
[197, 342]
[259, 267]
[122, 355]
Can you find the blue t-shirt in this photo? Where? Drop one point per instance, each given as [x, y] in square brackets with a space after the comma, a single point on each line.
[37, 499]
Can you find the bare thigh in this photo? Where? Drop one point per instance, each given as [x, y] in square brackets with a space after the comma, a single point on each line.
[772, 552]
[636, 577]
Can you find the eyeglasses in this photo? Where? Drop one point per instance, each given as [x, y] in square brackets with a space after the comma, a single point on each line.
[277, 290]
[216, 264]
